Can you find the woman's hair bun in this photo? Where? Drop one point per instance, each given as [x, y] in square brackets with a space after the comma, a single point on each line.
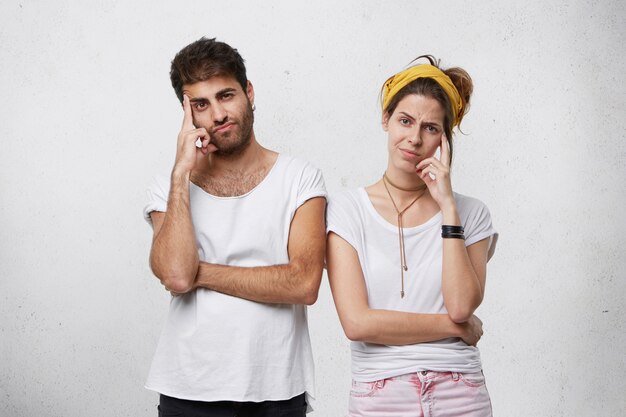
[464, 85]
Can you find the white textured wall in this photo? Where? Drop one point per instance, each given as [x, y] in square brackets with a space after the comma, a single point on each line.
[88, 117]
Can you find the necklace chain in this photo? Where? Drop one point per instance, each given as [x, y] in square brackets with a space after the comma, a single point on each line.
[403, 263]
[421, 187]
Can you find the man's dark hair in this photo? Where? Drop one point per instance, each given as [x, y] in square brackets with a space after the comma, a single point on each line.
[203, 59]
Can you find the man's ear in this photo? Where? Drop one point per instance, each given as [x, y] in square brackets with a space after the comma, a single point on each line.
[250, 92]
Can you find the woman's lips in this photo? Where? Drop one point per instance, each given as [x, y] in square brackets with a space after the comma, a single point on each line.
[409, 154]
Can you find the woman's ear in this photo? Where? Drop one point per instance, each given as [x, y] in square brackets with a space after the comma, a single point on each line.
[385, 121]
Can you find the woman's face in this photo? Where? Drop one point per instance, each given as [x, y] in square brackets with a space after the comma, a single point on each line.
[414, 130]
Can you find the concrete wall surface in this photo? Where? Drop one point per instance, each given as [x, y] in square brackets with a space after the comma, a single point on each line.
[89, 116]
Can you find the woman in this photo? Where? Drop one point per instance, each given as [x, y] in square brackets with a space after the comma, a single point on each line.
[407, 259]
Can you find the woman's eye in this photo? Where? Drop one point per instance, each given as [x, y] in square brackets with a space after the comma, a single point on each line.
[405, 122]
[431, 129]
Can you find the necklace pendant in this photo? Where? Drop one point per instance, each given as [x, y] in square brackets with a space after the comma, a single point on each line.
[402, 294]
[406, 268]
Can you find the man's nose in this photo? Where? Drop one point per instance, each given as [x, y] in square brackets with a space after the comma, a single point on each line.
[219, 113]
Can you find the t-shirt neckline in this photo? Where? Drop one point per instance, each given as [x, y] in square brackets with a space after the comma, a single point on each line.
[235, 197]
[391, 227]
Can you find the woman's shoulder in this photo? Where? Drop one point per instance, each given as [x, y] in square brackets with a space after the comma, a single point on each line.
[476, 219]
[347, 204]
[345, 213]
[468, 204]
[346, 197]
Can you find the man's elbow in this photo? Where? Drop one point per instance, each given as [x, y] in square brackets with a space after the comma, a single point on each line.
[310, 290]
[177, 285]
[309, 287]
[175, 282]
[309, 298]
[178, 280]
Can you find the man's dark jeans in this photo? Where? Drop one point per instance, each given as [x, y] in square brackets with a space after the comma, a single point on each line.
[174, 407]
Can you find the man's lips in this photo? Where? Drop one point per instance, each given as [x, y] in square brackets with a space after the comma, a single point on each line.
[223, 127]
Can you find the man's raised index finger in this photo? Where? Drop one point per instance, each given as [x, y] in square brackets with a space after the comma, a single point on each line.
[188, 116]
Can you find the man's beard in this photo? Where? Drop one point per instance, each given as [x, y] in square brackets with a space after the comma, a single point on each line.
[236, 141]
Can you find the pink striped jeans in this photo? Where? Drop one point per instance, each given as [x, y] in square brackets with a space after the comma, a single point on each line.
[422, 394]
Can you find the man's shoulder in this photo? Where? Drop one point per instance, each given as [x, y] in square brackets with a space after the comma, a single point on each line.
[159, 183]
[295, 163]
[298, 170]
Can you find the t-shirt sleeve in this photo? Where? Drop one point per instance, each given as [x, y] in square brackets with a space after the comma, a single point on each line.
[340, 219]
[478, 225]
[157, 194]
[311, 185]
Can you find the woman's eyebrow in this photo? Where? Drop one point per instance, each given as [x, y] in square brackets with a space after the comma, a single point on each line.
[407, 115]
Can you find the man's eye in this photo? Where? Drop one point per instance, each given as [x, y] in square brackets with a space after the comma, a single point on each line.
[200, 106]
[227, 95]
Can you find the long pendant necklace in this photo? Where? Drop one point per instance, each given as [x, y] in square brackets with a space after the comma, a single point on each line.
[403, 264]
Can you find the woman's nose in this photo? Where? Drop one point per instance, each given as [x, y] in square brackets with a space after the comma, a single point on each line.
[415, 139]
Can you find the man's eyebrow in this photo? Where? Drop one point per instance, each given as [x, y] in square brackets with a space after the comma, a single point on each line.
[224, 91]
[218, 94]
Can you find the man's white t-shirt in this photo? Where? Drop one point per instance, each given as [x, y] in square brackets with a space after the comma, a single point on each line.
[352, 216]
[218, 347]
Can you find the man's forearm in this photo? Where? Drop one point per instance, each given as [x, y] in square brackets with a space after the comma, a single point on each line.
[293, 283]
[174, 255]
[296, 282]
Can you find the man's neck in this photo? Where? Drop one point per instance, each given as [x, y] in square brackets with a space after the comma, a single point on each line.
[245, 160]
[232, 175]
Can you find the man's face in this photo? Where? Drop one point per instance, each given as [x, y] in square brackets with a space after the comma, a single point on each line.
[221, 107]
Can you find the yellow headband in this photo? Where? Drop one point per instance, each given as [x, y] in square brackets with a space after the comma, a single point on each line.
[397, 82]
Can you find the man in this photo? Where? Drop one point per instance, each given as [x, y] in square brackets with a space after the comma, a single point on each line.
[239, 237]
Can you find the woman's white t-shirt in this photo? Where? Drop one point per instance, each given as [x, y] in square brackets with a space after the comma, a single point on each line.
[352, 216]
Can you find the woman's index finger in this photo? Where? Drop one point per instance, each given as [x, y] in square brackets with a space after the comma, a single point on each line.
[445, 150]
